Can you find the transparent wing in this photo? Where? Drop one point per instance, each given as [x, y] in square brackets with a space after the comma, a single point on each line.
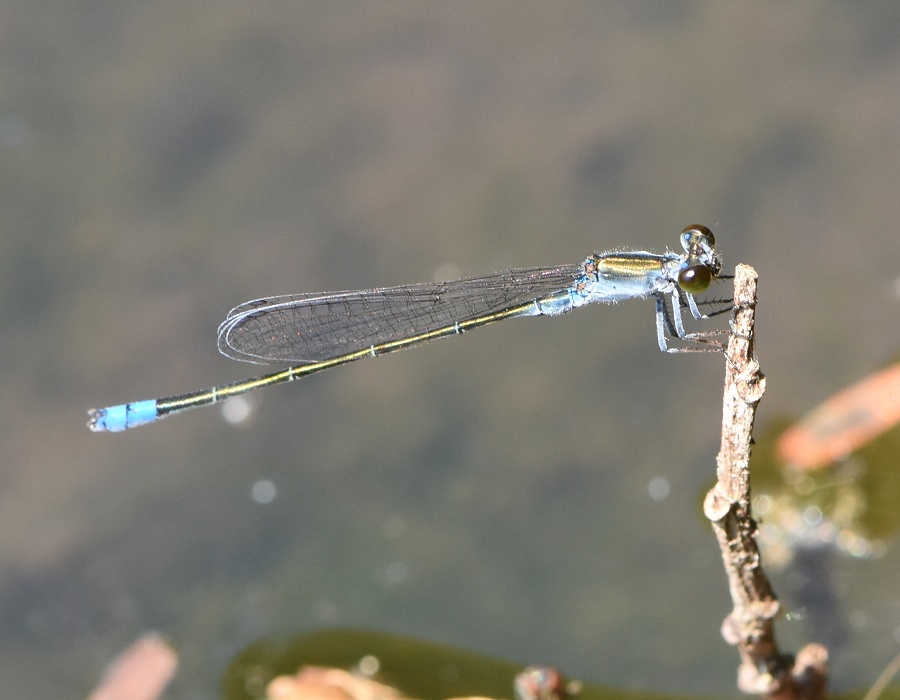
[315, 327]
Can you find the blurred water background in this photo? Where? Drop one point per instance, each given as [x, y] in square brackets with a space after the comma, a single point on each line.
[529, 491]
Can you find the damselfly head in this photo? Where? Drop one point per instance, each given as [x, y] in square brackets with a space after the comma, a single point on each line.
[701, 264]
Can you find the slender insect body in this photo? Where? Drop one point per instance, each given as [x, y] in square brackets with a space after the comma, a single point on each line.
[314, 332]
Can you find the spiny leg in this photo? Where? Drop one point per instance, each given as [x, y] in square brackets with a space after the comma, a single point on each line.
[672, 325]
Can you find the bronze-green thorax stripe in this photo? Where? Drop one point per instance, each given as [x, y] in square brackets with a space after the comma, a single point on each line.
[627, 266]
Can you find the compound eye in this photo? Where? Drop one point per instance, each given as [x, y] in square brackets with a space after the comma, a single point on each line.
[695, 279]
[698, 230]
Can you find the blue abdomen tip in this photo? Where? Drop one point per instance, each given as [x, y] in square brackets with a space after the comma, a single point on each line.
[117, 418]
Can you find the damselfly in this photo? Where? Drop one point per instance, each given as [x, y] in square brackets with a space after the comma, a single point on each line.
[322, 330]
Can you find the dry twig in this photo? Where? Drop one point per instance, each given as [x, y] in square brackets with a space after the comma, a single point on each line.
[750, 625]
